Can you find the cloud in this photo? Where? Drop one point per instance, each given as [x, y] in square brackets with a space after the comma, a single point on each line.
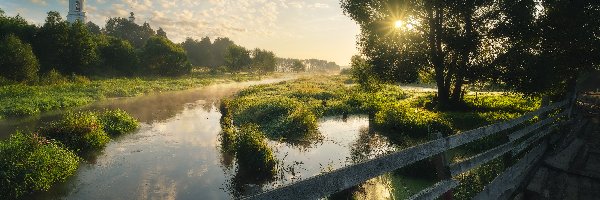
[39, 2]
[190, 18]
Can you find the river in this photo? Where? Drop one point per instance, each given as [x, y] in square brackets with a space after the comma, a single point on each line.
[175, 154]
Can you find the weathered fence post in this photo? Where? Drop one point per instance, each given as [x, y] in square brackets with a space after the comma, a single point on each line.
[442, 167]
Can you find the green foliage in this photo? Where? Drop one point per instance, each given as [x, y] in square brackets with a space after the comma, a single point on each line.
[263, 61]
[200, 53]
[237, 58]
[473, 182]
[279, 118]
[80, 52]
[53, 77]
[79, 131]
[362, 72]
[117, 122]
[16, 26]
[162, 57]
[17, 61]
[401, 118]
[253, 154]
[58, 92]
[298, 66]
[128, 30]
[30, 163]
[118, 57]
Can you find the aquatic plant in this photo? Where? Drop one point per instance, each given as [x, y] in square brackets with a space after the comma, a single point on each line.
[29, 162]
[117, 122]
[79, 131]
[252, 153]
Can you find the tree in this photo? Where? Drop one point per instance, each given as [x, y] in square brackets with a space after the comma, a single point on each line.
[17, 61]
[128, 30]
[160, 32]
[162, 57]
[219, 50]
[93, 28]
[237, 58]
[199, 52]
[401, 37]
[362, 72]
[16, 26]
[80, 51]
[118, 56]
[547, 48]
[51, 43]
[298, 66]
[263, 61]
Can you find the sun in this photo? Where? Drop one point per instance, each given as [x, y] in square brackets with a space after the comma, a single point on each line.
[399, 24]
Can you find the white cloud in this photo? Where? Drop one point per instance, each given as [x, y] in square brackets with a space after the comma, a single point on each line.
[39, 2]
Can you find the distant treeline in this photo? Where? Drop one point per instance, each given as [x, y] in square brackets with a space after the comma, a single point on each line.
[120, 48]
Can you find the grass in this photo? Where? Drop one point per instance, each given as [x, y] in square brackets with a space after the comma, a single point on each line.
[406, 118]
[26, 100]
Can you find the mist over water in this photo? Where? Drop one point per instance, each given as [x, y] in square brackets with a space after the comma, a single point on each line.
[175, 154]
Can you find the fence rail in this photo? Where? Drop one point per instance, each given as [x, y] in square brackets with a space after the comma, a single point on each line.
[325, 184]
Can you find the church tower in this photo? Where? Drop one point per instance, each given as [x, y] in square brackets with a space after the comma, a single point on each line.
[76, 11]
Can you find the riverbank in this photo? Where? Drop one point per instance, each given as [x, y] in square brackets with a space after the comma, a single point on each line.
[30, 100]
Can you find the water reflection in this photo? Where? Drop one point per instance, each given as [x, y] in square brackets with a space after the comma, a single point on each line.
[177, 154]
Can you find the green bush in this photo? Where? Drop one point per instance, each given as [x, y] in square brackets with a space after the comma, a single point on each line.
[253, 154]
[30, 163]
[79, 131]
[53, 77]
[17, 61]
[117, 122]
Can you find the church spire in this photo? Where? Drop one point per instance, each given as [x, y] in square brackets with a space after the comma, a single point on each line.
[76, 11]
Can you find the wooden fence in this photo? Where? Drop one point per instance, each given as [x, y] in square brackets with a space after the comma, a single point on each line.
[526, 135]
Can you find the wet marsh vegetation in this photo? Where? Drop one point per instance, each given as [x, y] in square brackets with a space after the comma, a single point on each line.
[230, 140]
[21, 100]
[32, 162]
[288, 112]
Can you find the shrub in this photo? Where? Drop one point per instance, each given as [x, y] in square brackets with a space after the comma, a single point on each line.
[79, 131]
[117, 122]
[17, 61]
[53, 77]
[253, 154]
[29, 163]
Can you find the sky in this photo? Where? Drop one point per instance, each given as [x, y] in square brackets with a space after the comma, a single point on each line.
[289, 28]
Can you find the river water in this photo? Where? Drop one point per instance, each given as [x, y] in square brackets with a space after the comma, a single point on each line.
[175, 154]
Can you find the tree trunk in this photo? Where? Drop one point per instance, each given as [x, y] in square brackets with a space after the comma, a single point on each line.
[435, 26]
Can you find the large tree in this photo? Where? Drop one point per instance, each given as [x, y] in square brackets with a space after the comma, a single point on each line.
[51, 43]
[548, 43]
[162, 57]
[128, 30]
[237, 58]
[263, 61]
[199, 52]
[400, 37]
